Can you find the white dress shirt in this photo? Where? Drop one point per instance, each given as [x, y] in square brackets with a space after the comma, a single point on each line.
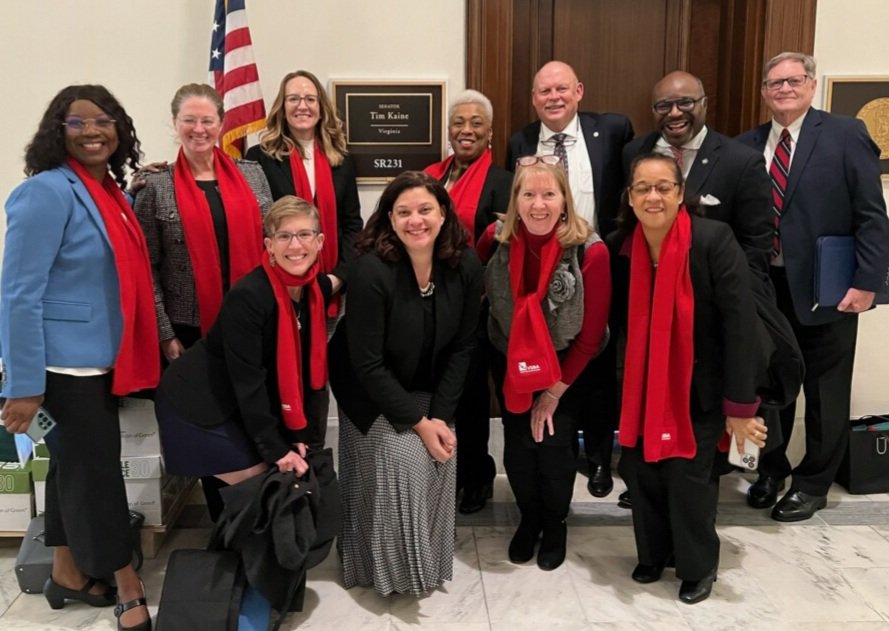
[580, 171]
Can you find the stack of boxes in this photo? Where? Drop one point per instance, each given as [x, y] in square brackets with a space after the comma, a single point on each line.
[16, 500]
[150, 490]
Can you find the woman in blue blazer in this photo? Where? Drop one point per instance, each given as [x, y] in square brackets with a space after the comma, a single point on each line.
[78, 329]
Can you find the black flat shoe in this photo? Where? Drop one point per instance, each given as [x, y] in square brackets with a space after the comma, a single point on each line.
[475, 498]
[647, 573]
[624, 500]
[553, 545]
[691, 592]
[600, 483]
[132, 604]
[521, 548]
[57, 594]
[764, 492]
[798, 506]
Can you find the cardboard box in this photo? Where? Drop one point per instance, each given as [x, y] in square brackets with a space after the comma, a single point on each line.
[39, 469]
[16, 498]
[138, 428]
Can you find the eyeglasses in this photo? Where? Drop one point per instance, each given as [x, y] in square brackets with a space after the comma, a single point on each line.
[192, 122]
[685, 104]
[75, 123]
[305, 237]
[530, 161]
[644, 188]
[796, 81]
[295, 99]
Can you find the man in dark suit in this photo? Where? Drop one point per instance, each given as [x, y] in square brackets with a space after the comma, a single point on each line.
[825, 172]
[590, 146]
[727, 178]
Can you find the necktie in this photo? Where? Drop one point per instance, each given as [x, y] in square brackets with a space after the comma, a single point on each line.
[778, 171]
[560, 151]
[677, 154]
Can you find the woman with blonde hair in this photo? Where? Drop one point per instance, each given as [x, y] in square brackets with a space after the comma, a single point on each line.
[549, 272]
[303, 152]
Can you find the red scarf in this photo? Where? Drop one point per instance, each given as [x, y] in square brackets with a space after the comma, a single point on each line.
[660, 348]
[243, 219]
[137, 365]
[466, 192]
[289, 360]
[531, 360]
[325, 200]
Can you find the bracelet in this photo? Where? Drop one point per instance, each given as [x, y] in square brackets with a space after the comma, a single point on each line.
[550, 395]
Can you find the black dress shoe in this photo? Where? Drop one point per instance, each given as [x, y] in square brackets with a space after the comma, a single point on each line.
[764, 492]
[475, 498]
[691, 592]
[553, 545]
[624, 500]
[521, 547]
[798, 506]
[647, 573]
[600, 482]
[57, 594]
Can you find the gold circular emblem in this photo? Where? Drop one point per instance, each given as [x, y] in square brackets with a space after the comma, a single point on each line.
[875, 115]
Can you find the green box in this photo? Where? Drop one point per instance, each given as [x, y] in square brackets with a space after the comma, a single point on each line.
[41, 450]
[14, 479]
[39, 469]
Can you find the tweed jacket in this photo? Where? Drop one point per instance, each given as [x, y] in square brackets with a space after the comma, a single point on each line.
[155, 207]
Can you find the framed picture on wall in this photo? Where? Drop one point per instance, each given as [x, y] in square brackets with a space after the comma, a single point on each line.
[391, 126]
[866, 98]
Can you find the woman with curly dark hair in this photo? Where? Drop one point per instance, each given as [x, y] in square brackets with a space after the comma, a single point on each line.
[77, 329]
[398, 362]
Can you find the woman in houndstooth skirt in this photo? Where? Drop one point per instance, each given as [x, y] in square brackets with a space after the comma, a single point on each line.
[398, 362]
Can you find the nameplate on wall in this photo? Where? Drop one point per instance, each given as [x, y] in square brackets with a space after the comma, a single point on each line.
[391, 126]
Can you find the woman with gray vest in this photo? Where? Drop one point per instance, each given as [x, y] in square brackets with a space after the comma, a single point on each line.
[548, 274]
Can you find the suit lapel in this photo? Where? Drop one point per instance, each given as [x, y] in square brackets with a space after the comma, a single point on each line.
[87, 202]
[530, 139]
[808, 137]
[594, 149]
[702, 167]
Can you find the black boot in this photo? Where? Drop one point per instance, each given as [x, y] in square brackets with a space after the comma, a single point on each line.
[553, 545]
[521, 547]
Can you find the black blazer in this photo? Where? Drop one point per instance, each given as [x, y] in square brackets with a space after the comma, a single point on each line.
[833, 189]
[377, 345]
[345, 187]
[731, 346]
[735, 175]
[232, 373]
[605, 136]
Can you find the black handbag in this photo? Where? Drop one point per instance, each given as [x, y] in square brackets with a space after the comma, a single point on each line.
[865, 466]
[33, 564]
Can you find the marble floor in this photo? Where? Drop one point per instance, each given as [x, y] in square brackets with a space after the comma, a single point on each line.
[829, 572]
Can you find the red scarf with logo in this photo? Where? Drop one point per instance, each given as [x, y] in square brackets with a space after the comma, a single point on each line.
[466, 191]
[243, 219]
[137, 365]
[656, 403]
[289, 360]
[531, 360]
[325, 200]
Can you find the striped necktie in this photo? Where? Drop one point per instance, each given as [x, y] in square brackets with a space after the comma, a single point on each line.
[559, 151]
[778, 171]
[677, 155]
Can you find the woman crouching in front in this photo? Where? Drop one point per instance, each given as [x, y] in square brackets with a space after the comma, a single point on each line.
[690, 372]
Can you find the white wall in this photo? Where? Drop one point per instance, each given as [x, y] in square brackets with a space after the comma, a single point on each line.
[143, 51]
[850, 39]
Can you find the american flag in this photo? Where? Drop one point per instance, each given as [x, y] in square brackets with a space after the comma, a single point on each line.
[233, 73]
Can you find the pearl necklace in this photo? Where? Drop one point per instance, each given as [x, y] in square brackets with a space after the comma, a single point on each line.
[428, 290]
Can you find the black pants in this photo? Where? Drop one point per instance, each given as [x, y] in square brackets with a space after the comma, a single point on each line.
[675, 502]
[599, 419]
[829, 354]
[475, 466]
[541, 475]
[86, 502]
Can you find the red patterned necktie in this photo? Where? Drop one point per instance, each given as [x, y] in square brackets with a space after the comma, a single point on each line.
[778, 171]
[677, 154]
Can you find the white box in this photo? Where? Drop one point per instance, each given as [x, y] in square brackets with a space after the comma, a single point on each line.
[40, 496]
[143, 479]
[16, 510]
[138, 428]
